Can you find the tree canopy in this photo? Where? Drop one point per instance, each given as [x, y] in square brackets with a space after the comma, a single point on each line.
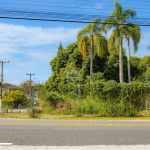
[15, 99]
[103, 61]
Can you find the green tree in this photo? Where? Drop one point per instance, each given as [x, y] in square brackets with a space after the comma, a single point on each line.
[133, 32]
[76, 58]
[25, 86]
[60, 47]
[135, 69]
[15, 98]
[146, 75]
[112, 65]
[59, 61]
[118, 21]
[97, 40]
[144, 63]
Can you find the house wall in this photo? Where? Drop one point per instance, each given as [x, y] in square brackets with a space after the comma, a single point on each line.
[4, 90]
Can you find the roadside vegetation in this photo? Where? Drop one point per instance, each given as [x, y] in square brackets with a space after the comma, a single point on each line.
[94, 75]
[15, 99]
[97, 76]
[68, 117]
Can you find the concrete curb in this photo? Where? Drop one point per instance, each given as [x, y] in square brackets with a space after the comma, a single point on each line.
[91, 147]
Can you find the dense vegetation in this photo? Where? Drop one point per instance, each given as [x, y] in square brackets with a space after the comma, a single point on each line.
[15, 99]
[94, 75]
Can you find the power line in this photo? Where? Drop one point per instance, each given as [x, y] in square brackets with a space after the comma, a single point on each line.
[71, 7]
[79, 5]
[60, 16]
[62, 5]
[63, 20]
[70, 4]
[6, 13]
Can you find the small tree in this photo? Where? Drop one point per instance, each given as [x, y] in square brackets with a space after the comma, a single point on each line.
[25, 86]
[14, 99]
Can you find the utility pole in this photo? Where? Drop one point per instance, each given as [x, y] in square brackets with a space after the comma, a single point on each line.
[31, 98]
[2, 63]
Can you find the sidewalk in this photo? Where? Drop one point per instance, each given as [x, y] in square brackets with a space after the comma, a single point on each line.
[97, 147]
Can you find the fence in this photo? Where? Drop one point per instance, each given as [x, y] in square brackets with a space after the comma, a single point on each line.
[16, 110]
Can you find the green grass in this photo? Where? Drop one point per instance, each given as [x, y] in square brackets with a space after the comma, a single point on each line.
[69, 117]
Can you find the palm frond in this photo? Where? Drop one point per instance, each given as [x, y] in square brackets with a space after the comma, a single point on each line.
[129, 13]
[92, 28]
[84, 50]
[133, 31]
[118, 10]
[100, 44]
[82, 32]
[136, 37]
[109, 23]
[113, 40]
[83, 44]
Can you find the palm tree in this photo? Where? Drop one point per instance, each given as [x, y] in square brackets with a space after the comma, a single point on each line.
[118, 21]
[132, 31]
[93, 32]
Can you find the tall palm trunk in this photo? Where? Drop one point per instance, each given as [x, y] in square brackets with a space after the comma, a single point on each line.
[121, 60]
[129, 65]
[91, 59]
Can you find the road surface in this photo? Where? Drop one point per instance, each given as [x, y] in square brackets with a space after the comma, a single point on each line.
[73, 133]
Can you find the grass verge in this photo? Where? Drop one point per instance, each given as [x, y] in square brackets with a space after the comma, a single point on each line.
[69, 117]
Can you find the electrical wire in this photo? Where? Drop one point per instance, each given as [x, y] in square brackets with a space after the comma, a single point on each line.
[80, 17]
[64, 20]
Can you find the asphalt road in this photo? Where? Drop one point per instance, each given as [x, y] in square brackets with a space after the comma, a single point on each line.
[74, 133]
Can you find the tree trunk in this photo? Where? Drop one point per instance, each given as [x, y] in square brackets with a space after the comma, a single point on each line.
[121, 60]
[91, 59]
[129, 65]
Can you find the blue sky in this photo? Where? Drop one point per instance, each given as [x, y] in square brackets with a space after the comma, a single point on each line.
[30, 45]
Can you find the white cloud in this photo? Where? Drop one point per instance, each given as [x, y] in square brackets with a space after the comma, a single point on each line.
[40, 56]
[35, 36]
[30, 49]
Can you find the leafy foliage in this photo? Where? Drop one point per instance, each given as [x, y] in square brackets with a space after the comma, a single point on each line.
[98, 43]
[25, 86]
[105, 96]
[14, 99]
[118, 17]
[64, 93]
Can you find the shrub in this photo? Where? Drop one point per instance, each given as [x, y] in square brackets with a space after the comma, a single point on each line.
[14, 99]
[91, 106]
[103, 98]
[54, 98]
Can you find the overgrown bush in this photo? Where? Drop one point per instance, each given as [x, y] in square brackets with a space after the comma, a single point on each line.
[91, 106]
[100, 97]
[118, 99]
[54, 98]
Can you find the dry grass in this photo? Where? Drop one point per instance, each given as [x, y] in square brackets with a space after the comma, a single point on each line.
[15, 115]
[69, 117]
